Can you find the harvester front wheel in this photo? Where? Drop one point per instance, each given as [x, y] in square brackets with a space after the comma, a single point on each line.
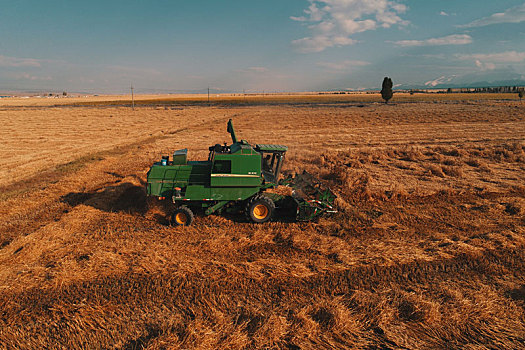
[260, 209]
[182, 216]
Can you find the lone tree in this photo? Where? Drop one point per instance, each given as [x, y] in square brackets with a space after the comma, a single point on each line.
[521, 94]
[386, 91]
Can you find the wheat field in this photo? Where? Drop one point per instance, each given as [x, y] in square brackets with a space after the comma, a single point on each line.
[426, 251]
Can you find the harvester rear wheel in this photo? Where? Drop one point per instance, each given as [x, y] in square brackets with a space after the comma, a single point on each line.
[182, 216]
[260, 209]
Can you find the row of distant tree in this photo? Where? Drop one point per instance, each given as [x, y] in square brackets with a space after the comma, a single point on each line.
[64, 94]
[387, 93]
[497, 89]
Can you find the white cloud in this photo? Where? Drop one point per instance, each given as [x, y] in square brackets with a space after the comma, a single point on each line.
[513, 15]
[313, 12]
[258, 69]
[491, 60]
[253, 70]
[6, 61]
[133, 70]
[485, 66]
[320, 43]
[333, 22]
[455, 39]
[501, 57]
[28, 76]
[343, 65]
[443, 13]
[438, 56]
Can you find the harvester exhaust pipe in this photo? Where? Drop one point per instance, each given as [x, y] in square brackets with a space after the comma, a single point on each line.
[231, 131]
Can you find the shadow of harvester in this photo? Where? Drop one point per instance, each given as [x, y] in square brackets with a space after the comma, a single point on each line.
[129, 198]
[124, 197]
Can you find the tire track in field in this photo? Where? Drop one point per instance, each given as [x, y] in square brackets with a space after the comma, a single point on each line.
[113, 299]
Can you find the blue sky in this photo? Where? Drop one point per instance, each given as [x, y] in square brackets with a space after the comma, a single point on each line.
[272, 45]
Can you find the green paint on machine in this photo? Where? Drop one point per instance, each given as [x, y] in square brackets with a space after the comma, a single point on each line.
[233, 176]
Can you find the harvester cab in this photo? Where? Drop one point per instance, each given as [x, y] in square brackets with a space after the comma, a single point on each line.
[272, 161]
[272, 156]
[234, 178]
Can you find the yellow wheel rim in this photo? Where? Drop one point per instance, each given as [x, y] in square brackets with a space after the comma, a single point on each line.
[260, 211]
[181, 218]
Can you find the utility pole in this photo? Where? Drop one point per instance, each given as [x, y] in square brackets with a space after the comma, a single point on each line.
[208, 95]
[132, 98]
[244, 93]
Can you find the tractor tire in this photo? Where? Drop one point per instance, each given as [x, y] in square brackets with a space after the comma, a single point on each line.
[260, 209]
[182, 216]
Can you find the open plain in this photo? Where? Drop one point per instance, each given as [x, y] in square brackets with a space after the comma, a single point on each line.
[427, 250]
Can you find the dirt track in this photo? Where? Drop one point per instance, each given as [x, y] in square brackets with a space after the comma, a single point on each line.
[427, 251]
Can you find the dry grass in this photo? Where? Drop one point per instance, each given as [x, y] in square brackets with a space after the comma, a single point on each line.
[426, 252]
[34, 140]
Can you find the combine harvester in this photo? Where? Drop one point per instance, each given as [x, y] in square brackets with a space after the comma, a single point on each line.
[235, 179]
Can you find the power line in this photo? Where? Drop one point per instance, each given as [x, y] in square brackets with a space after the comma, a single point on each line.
[132, 98]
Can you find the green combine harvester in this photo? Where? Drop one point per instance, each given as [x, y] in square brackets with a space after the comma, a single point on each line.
[234, 179]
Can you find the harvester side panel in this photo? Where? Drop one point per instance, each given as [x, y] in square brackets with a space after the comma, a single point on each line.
[233, 193]
[237, 170]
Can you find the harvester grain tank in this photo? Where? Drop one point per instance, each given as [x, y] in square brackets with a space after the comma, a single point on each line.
[235, 178]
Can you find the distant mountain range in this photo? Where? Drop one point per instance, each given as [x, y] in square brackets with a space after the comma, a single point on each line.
[445, 83]
[492, 78]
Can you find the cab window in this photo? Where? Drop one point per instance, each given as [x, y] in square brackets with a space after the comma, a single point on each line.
[222, 167]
